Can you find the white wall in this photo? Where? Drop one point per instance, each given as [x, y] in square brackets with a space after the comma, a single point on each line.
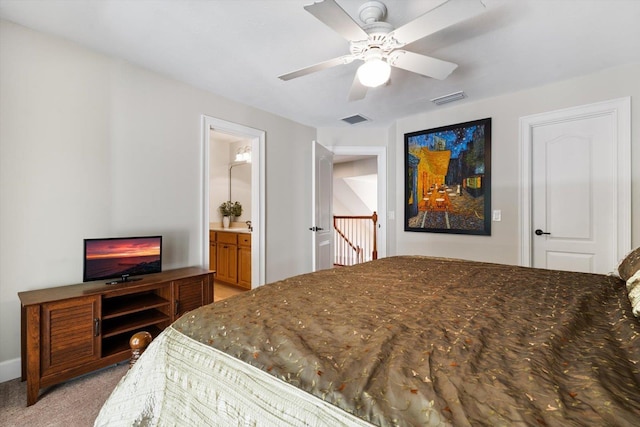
[219, 154]
[355, 187]
[504, 244]
[91, 146]
[368, 166]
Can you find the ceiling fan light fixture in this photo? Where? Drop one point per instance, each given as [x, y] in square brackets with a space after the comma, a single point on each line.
[380, 45]
[374, 72]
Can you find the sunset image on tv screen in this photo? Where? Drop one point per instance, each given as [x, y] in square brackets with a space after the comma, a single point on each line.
[108, 258]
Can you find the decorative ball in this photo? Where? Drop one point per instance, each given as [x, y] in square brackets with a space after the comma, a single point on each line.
[140, 340]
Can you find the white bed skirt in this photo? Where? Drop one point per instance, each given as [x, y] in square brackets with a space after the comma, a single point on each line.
[179, 381]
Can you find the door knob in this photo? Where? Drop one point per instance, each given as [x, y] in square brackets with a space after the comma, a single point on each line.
[540, 232]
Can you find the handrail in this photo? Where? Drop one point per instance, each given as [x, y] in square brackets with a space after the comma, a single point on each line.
[355, 238]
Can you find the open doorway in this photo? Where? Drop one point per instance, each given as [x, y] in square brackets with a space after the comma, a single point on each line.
[359, 187]
[229, 177]
[221, 140]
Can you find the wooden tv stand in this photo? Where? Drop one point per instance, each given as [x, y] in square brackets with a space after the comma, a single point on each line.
[68, 331]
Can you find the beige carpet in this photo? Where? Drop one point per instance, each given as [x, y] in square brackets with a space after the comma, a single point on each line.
[70, 404]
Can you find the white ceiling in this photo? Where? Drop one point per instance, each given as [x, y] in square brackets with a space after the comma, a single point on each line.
[238, 48]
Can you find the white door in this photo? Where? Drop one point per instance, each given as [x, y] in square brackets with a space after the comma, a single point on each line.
[575, 192]
[322, 196]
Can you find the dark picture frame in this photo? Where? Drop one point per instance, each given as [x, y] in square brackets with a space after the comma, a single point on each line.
[448, 179]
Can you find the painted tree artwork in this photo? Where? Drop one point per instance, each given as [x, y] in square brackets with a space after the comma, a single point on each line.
[448, 179]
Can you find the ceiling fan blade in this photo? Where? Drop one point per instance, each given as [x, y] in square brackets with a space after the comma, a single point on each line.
[332, 15]
[449, 13]
[358, 90]
[421, 64]
[341, 60]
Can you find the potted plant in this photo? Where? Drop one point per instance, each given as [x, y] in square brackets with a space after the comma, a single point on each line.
[236, 210]
[228, 210]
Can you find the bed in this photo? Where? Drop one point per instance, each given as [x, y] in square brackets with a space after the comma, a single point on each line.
[400, 341]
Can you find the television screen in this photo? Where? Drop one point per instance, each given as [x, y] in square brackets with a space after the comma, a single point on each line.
[121, 257]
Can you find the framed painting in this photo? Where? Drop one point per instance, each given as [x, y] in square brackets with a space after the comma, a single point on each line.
[448, 179]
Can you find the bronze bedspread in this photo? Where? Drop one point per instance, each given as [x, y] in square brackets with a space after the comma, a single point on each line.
[411, 341]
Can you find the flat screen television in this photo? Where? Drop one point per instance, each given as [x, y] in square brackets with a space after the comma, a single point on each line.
[119, 259]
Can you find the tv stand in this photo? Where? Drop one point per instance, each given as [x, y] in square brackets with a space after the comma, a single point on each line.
[69, 331]
[124, 279]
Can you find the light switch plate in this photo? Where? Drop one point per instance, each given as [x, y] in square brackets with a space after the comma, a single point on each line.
[497, 215]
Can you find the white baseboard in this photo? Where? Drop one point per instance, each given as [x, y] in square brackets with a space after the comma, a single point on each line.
[10, 369]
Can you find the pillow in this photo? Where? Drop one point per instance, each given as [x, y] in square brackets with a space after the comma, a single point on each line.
[629, 265]
[633, 290]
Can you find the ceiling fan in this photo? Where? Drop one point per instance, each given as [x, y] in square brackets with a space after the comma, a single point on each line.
[379, 45]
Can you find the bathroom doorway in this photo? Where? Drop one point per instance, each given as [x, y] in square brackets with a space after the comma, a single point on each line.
[227, 177]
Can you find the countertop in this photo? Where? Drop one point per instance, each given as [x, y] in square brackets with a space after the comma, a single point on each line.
[231, 230]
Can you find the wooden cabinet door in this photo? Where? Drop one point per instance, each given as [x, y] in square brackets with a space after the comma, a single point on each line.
[70, 333]
[213, 258]
[244, 260]
[212, 250]
[190, 294]
[244, 267]
[227, 265]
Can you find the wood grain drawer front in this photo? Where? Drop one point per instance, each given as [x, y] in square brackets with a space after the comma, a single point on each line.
[244, 240]
[71, 333]
[231, 238]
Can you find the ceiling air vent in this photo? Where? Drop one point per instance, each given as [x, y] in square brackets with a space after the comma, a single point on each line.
[355, 119]
[455, 96]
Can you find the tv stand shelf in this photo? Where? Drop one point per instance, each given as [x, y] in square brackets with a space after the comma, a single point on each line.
[118, 345]
[132, 322]
[132, 304]
[70, 330]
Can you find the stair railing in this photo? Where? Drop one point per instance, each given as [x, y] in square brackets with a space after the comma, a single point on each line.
[355, 239]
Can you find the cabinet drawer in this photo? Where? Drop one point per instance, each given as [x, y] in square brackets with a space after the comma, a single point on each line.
[244, 240]
[227, 238]
[212, 236]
